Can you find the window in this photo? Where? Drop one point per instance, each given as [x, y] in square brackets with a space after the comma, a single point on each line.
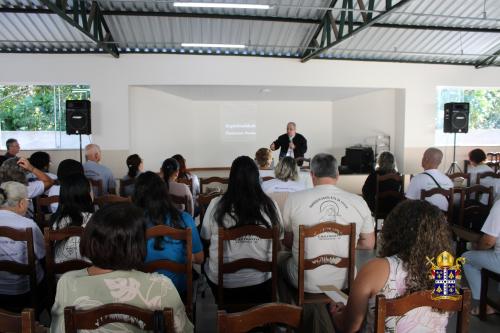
[35, 115]
[484, 116]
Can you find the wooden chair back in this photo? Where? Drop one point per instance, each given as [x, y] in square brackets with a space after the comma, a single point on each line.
[486, 175]
[182, 201]
[124, 183]
[51, 267]
[325, 259]
[448, 194]
[109, 199]
[399, 306]
[493, 165]
[20, 323]
[96, 185]
[392, 197]
[94, 318]
[41, 205]
[465, 176]
[237, 265]
[175, 267]
[209, 180]
[203, 202]
[472, 210]
[29, 269]
[188, 182]
[265, 314]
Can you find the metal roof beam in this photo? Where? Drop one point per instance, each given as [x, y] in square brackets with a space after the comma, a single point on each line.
[90, 22]
[489, 61]
[346, 21]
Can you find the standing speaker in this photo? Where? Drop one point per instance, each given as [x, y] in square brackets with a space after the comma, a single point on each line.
[78, 117]
[456, 118]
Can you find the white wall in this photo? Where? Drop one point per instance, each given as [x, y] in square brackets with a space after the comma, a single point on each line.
[193, 128]
[111, 78]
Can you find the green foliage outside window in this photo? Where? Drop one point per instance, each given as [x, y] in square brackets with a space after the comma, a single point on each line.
[484, 105]
[37, 108]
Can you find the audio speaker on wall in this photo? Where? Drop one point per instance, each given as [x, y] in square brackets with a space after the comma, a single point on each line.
[456, 118]
[78, 117]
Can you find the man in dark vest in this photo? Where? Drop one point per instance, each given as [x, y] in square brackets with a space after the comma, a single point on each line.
[291, 143]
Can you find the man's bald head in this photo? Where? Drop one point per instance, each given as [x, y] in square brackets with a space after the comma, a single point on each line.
[432, 158]
[92, 152]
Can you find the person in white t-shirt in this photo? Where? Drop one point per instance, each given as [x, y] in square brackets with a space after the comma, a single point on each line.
[14, 289]
[429, 179]
[485, 254]
[243, 204]
[324, 203]
[477, 165]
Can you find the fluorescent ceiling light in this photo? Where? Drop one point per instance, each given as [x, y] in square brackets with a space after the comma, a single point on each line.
[220, 5]
[228, 46]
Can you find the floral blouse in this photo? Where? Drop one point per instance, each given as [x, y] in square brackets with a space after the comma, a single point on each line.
[419, 320]
[149, 291]
[69, 249]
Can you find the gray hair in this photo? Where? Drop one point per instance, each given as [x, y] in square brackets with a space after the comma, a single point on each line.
[11, 193]
[292, 123]
[286, 169]
[324, 165]
[92, 148]
[386, 162]
[11, 171]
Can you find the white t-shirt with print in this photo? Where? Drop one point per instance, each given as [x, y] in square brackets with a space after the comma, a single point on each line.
[424, 182]
[277, 185]
[324, 203]
[244, 247]
[492, 225]
[12, 284]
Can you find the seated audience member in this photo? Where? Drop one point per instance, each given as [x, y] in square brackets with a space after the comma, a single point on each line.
[13, 148]
[485, 254]
[75, 210]
[264, 160]
[324, 203]
[14, 289]
[16, 169]
[195, 181]
[413, 231]
[429, 179]
[287, 180]
[135, 168]
[41, 161]
[243, 204]
[151, 194]
[114, 241]
[95, 170]
[169, 172]
[385, 166]
[66, 168]
[477, 159]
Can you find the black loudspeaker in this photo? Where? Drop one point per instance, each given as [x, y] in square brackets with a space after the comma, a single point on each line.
[359, 159]
[78, 117]
[456, 118]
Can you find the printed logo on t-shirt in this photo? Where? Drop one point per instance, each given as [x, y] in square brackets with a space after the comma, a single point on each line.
[248, 239]
[329, 207]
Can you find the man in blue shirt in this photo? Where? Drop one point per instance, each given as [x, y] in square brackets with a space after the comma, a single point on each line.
[94, 170]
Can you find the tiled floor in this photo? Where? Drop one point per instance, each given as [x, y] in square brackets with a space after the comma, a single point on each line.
[207, 310]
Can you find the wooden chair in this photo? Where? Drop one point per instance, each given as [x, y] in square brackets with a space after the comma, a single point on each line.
[472, 211]
[465, 176]
[188, 182]
[186, 268]
[124, 183]
[51, 267]
[22, 235]
[484, 300]
[20, 323]
[448, 194]
[41, 205]
[203, 202]
[493, 165]
[385, 201]
[109, 199]
[325, 259]
[206, 181]
[265, 179]
[399, 306]
[226, 235]
[265, 314]
[466, 165]
[94, 318]
[486, 175]
[96, 186]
